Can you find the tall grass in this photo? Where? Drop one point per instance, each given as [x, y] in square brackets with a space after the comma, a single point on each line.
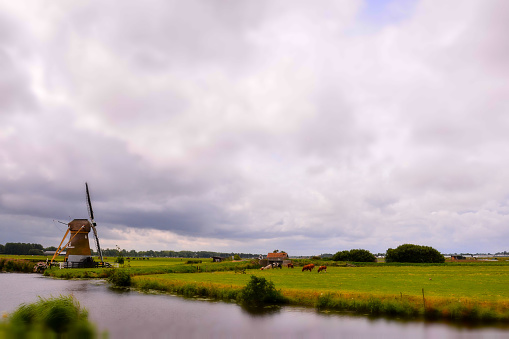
[82, 273]
[188, 289]
[60, 317]
[457, 310]
[16, 265]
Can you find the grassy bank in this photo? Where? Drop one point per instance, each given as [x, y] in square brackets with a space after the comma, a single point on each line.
[481, 283]
[156, 267]
[459, 293]
[16, 265]
[404, 306]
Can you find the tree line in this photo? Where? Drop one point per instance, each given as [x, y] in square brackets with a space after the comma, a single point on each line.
[404, 253]
[38, 249]
[174, 254]
[21, 248]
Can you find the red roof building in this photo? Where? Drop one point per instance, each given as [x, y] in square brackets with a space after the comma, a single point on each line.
[277, 256]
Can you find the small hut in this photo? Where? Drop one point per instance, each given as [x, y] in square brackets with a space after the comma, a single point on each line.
[279, 259]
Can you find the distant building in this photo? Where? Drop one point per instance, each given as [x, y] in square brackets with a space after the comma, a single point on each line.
[52, 253]
[278, 258]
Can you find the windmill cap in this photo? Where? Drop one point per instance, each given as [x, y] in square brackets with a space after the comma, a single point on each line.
[76, 225]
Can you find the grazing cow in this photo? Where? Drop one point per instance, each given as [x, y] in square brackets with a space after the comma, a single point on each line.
[308, 267]
[290, 265]
[322, 268]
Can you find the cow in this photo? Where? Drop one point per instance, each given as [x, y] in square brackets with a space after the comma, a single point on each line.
[290, 265]
[322, 268]
[308, 267]
[268, 267]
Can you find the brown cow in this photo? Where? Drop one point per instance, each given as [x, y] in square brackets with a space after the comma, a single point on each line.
[322, 268]
[308, 267]
[290, 265]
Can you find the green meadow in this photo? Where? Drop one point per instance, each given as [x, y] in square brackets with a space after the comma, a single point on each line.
[474, 292]
[479, 282]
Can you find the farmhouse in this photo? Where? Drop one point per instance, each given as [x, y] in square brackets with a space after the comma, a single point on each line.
[278, 258]
[217, 259]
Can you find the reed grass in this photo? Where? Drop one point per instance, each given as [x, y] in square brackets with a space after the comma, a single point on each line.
[188, 289]
[59, 317]
[16, 265]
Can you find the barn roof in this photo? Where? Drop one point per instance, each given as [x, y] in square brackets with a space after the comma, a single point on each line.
[276, 255]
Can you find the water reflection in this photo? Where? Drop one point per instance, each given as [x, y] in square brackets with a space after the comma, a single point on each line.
[119, 290]
[257, 311]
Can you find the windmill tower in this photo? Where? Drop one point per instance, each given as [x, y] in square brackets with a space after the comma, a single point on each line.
[78, 252]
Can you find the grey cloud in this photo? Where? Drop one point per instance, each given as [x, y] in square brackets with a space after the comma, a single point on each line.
[264, 124]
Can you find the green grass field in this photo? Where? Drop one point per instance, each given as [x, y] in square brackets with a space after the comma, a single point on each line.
[481, 283]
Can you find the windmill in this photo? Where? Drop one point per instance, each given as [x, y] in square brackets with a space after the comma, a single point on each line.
[78, 252]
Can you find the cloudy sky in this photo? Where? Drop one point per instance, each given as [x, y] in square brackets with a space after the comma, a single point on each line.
[249, 126]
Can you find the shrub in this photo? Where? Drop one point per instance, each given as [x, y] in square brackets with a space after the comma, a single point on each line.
[358, 255]
[414, 254]
[16, 265]
[259, 292]
[120, 278]
[60, 316]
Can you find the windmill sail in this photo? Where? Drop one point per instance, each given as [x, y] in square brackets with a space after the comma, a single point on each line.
[91, 214]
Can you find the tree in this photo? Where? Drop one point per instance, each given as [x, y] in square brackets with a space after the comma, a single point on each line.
[2, 248]
[20, 248]
[341, 256]
[259, 292]
[120, 256]
[356, 255]
[35, 251]
[414, 254]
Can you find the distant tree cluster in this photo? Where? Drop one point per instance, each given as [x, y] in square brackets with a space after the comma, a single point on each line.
[414, 254]
[21, 248]
[357, 255]
[175, 254]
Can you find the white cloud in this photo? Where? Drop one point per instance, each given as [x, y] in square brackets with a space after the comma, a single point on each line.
[202, 126]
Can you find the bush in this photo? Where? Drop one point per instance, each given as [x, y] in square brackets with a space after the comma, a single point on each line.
[354, 255]
[120, 278]
[414, 254]
[60, 316]
[16, 265]
[259, 292]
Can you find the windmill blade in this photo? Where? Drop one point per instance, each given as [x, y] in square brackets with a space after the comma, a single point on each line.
[97, 243]
[94, 224]
[89, 205]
